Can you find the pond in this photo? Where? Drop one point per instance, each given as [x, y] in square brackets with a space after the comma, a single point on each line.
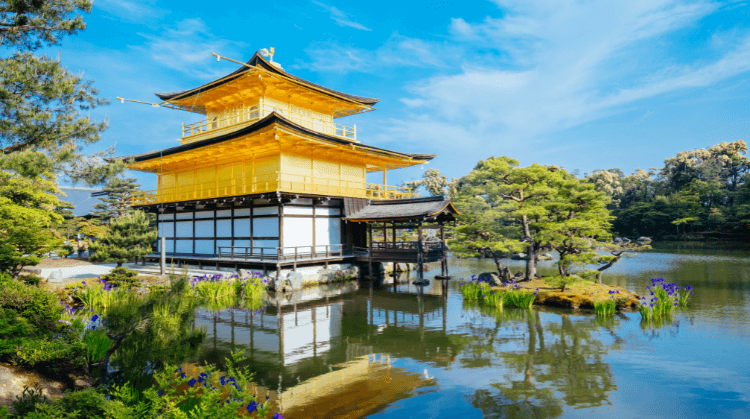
[349, 353]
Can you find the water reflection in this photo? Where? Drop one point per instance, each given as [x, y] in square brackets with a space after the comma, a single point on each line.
[405, 351]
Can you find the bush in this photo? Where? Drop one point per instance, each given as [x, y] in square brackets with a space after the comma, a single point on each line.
[31, 279]
[65, 250]
[79, 404]
[122, 278]
[56, 354]
[36, 304]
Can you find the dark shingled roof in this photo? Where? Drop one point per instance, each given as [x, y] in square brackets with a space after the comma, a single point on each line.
[258, 61]
[404, 209]
[266, 121]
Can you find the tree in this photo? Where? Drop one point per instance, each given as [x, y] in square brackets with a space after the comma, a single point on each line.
[128, 237]
[30, 24]
[25, 236]
[41, 125]
[432, 180]
[117, 203]
[519, 194]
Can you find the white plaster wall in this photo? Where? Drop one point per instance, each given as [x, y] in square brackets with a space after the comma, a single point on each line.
[327, 231]
[166, 229]
[204, 214]
[205, 247]
[242, 228]
[266, 227]
[184, 246]
[327, 211]
[184, 229]
[204, 228]
[298, 210]
[223, 228]
[265, 210]
[297, 232]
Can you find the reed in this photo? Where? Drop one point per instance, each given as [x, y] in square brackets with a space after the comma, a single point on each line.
[664, 299]
[519, 297]
[605, 307]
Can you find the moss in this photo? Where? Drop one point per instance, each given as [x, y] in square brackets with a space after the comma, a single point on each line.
[579, 294]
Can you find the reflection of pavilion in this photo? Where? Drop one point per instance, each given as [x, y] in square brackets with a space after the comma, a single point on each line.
[336, 349]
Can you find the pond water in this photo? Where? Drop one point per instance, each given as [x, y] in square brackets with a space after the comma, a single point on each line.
[349, 353]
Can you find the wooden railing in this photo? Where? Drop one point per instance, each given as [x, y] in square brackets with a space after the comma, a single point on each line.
[402, 251]
[268, 183]
[284, 254]
[218, 125]
[375, 191]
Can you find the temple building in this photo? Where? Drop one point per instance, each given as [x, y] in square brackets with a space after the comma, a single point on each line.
[269, 179]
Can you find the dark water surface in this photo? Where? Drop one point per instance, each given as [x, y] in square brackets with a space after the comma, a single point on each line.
[348, 352]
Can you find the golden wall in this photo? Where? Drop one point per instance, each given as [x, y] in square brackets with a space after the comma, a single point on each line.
[285, 172]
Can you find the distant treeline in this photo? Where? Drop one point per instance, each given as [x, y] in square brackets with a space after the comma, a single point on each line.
[697, 194]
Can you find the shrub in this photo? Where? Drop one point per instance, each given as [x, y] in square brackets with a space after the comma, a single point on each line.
[36, 304]
[65, 250]
[57, 354]
[121, 277]
[31, 279]
[28, 400]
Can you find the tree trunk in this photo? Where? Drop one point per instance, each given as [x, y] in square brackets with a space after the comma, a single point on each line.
[608, 265]
[501, 270]
[532, 250]
[119, 264]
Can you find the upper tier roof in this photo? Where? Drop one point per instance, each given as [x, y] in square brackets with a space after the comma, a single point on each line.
[258, 61]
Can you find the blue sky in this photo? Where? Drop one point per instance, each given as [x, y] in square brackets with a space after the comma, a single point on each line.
[580, 84]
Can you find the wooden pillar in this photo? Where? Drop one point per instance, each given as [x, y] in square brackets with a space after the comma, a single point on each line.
[420, 256]
[394, 231]
[369, 230]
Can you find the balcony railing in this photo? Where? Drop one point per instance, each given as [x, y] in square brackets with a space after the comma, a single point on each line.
[269, 183]
[219, 125]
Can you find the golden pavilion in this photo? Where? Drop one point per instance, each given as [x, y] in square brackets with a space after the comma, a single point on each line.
[270, 178]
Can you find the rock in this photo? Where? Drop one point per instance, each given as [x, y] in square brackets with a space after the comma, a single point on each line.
[518, 256]
[55, 276]
[500, 255]
[492, 277]
[244, 273]
[545, 256]
[644, 240]
[519, 275]
[294, 281]
[326, 275]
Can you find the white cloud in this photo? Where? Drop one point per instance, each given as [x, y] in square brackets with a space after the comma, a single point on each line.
[129, 10]
[562, 65]
[187, 47]
[397, 51]
[341, 18]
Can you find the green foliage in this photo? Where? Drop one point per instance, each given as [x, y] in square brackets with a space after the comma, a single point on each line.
[128, 237]
[562, 281]
[195, 393]
[26, 402]
[55, 354]
[117, 203]
[30, 25]
[25, 237]
[31, 279]
[87, 403]
[700, 193]
[38, 305]
[96, 343]
[122, 277]
[65, 250]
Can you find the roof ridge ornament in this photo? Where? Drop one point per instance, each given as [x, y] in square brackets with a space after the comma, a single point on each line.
[269, 54]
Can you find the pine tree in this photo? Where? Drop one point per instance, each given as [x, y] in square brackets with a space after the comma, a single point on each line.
[128, 237]
[117, 202]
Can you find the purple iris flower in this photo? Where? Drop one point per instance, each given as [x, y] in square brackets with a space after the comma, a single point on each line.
[94, 317]
[191, 382]
[252, 407]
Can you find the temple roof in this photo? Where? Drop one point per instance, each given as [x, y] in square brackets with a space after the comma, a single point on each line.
[405, 209]
[272, 118]
[258, 61]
